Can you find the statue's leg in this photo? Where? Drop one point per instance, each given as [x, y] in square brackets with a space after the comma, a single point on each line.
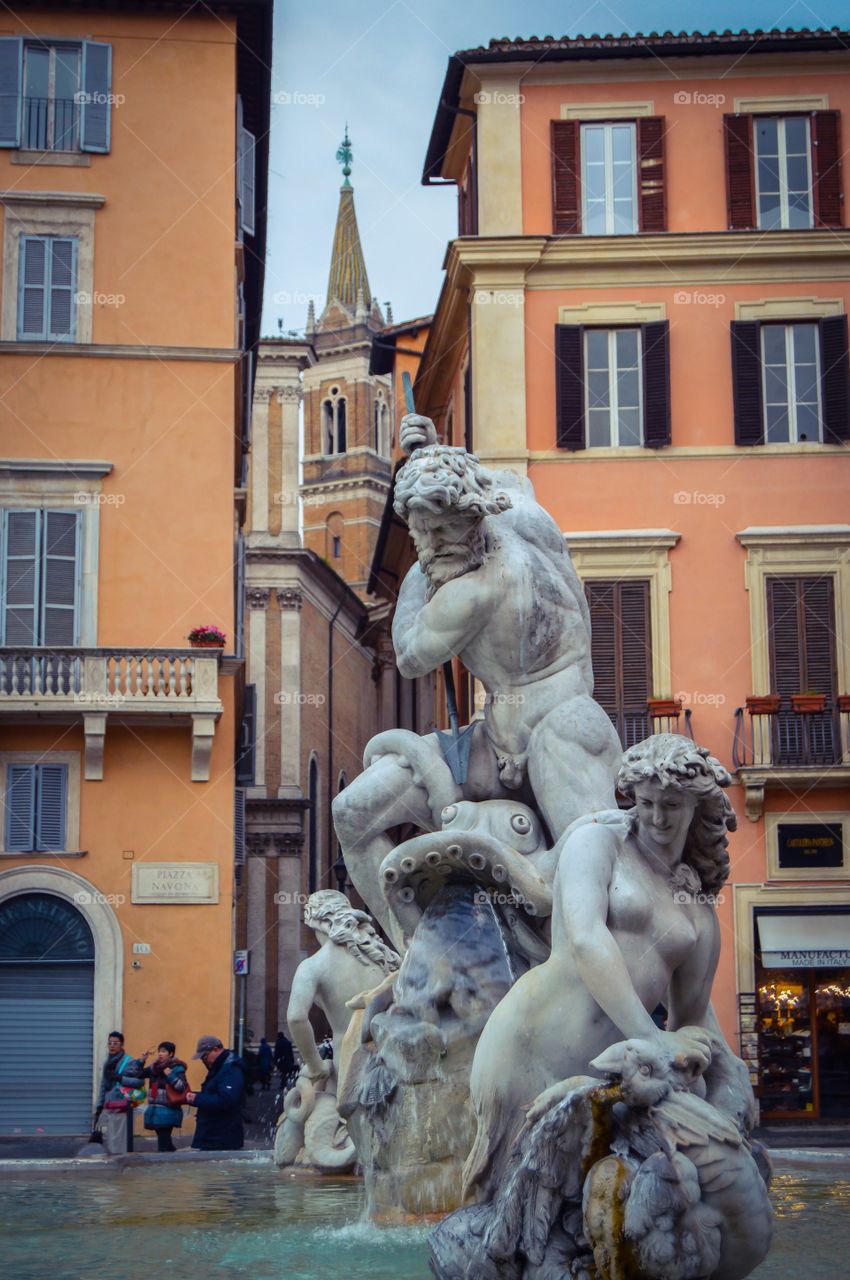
[387, 794]
[573, 757]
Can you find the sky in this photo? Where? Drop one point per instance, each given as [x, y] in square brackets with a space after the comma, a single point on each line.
[378, 65]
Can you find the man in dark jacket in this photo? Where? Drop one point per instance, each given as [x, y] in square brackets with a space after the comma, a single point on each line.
[219, 1100]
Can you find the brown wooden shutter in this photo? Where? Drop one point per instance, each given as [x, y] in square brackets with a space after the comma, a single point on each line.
[801, 635]
[569, 386]
[746, 382]
[652, 200]
[566, 184]
[826, 165]
[656, 383]
[835, 379]
[785, 641]
[819, 635]
[740, 166]
[621, 651]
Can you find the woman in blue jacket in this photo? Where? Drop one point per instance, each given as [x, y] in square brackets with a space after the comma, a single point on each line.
[161, 1115]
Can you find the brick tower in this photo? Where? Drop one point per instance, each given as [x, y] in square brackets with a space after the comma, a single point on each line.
[347, 410]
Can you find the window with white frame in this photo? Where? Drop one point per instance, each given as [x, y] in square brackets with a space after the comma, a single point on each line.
[55, 95]
[612, 387]
[51, 104]
[47, 287]
[608, 179]
[35, 804]
[791, 383]
[783, 172]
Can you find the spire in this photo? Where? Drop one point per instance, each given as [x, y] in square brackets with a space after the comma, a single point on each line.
[347, 276]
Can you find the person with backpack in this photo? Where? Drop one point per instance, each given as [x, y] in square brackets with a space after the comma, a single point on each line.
[219, 1125]
[167, 1074]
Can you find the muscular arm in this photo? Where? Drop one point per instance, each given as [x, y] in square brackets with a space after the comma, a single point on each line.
[428, 634]
[301, 1000]
[590, 855]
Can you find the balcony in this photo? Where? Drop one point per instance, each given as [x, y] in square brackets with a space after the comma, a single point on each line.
[778, 746]
[50, 124]
[125, 686]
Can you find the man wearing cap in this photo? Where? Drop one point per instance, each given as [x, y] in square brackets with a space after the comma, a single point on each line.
[219, 1100]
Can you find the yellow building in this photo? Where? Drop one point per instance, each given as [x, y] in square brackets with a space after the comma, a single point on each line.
[133, 155]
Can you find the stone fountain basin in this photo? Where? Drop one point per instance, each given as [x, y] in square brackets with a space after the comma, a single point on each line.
[417, 869]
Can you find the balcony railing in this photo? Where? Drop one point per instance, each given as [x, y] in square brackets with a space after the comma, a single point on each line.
[782, 745]
[51, 124]
[125, 685]
[660, 716]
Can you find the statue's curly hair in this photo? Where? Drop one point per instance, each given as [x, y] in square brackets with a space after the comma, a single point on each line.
[440, 478]
[349, 928]
[675, 761]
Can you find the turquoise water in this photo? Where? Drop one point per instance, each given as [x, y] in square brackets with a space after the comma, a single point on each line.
[214, 1221]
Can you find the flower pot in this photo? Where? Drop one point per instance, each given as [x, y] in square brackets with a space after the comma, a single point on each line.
[844, 702]
[808, 704]
[206, 644]
[766, 704]
[664, 707]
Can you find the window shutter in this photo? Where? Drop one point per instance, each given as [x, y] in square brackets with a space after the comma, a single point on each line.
[621, 652]
[62, 272]
[785, 640]
[245, 762]
[569, 386]
[246, 176]
[826, 165]
[20, 577]
[32, 289]
[603, 645]
[239, 828]
[740, 193]
[97, 88]
[746, 382]
[566, 206]
[835, 379]
[11, 75]
[20, 808]
[818, 633]
[50, 806]
[656, 383]
[60, 577]
[651, 193]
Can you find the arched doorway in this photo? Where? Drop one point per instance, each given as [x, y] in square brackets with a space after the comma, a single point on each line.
[47, 965]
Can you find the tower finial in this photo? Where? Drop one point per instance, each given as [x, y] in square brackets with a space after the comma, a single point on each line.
[344, 156]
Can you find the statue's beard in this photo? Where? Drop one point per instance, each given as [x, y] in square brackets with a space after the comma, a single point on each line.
[452, 560]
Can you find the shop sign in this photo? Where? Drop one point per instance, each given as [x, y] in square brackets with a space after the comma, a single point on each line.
[809, 844]
[835, 959]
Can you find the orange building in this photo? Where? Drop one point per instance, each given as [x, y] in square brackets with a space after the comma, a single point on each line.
[133, 156]
[645, 311]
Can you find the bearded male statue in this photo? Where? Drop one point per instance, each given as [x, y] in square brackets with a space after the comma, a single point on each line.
[495, 586]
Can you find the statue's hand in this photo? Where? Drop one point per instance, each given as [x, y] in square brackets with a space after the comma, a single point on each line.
[691, 1049]
[322, 1071]
[548, 1099]
[416, 431]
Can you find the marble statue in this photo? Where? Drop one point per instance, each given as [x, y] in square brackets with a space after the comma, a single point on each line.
[351, 958]
[495, 586]
[654, 1177]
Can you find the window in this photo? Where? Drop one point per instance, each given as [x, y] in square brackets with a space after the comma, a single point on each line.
[40, 573]
[337, 546]
[55, 95]
[801, 640]
[790, 381]
[340, 425]
[35, 807]
[334, 423]
[791, 386]
[608, 179]
[621, 652]
[783, 172]
[47, 270]
[612, 387]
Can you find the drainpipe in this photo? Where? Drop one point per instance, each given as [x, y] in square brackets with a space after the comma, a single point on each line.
[331, 784]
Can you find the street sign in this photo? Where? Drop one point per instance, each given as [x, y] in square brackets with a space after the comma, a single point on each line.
[241, 963]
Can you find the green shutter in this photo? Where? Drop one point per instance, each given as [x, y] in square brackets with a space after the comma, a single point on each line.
[97, 88]
[20, 808]
[11, 76]
[19, 618]
[50, 806]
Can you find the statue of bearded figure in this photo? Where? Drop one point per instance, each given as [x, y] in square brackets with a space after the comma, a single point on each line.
[495, 586]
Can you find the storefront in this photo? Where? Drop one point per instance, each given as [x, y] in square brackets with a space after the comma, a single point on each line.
[799, 1023]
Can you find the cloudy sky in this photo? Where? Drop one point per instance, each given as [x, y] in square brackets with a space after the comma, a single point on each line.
[379, 65]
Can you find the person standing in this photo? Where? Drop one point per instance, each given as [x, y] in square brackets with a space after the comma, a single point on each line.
[219, 1124]
[284, 1057]
[265, 1062]
[110, 1078]
[167, 1073]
